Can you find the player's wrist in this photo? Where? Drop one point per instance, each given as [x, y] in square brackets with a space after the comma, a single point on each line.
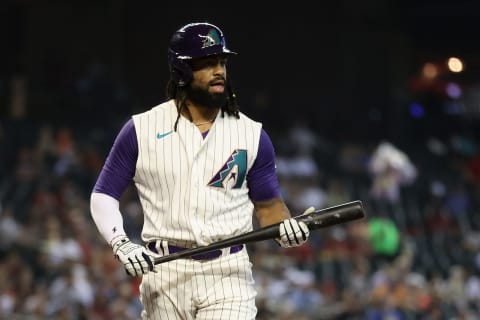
[118, 238]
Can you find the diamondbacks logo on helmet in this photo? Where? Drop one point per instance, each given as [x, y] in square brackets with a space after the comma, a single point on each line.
[212, 38]
[232, 174]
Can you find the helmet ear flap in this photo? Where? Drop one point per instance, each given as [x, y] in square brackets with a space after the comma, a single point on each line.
[181, 73]
[180, 70]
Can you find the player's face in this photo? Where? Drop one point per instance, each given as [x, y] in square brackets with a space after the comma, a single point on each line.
[207, 88]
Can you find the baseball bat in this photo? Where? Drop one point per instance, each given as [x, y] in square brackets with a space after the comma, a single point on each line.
[320, 218]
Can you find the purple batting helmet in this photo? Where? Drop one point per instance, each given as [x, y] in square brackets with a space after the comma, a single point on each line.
[194, 40]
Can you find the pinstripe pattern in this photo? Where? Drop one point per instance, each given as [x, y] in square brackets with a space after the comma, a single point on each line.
[209, 290]
[172, 176]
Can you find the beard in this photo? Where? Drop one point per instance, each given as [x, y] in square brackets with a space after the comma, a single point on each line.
[203, 98]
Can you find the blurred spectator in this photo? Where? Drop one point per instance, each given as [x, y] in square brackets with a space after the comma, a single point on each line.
[10, 229]
[472, 290]
[390, 169]
[385, 238]
[70, 293]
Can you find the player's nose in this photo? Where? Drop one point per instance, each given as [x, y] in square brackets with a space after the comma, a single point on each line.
[219, 69]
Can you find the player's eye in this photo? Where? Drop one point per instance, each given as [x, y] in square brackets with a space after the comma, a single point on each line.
[208, 62]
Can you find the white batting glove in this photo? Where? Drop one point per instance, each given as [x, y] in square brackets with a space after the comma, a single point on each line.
[134, 257]
[293, 233]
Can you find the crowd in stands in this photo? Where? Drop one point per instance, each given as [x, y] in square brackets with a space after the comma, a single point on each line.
[415, 255]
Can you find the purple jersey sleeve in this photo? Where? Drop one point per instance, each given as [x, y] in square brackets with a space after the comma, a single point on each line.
[262, 178]
[119, 168]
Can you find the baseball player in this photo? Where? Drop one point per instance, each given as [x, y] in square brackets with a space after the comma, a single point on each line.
[201, 168]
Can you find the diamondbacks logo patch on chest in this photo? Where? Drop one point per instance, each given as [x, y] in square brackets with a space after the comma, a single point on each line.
[232, 174]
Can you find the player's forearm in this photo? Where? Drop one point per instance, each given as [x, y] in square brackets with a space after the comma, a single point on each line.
[106, 214]
[271, 212]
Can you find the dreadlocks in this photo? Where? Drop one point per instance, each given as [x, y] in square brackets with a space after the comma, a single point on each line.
[179, 94]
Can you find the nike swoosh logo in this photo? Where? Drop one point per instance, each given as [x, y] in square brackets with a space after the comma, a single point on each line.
[163, 135]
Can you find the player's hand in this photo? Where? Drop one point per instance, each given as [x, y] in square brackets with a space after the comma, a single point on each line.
[134, 257]
[293, 233]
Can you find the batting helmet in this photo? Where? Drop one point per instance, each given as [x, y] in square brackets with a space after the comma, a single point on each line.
[194, 40]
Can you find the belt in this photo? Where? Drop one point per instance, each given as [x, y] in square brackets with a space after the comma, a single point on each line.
[200, 256]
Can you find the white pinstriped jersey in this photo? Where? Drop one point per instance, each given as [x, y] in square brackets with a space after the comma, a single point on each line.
[193, 189]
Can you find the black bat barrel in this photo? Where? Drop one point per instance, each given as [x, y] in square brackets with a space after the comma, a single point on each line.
[334, 215]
